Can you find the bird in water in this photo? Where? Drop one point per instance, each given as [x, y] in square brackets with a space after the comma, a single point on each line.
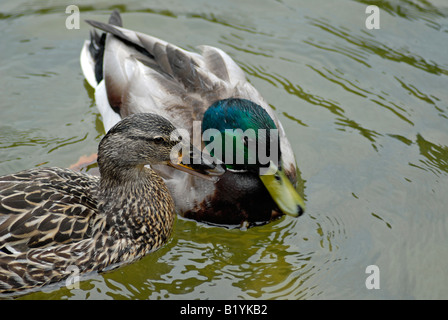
[54, 219]
[133, 72]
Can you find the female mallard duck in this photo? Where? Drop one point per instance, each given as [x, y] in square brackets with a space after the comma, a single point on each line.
[133, 72]
[52, 219]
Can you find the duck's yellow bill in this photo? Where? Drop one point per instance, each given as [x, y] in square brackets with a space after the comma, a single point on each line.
[282, 191]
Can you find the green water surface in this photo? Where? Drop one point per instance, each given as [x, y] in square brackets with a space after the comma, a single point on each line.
[366, 112]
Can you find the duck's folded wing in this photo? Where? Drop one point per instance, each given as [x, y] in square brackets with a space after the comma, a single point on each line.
[39, 208]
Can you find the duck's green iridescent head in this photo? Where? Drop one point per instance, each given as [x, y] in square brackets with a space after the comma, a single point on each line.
[245, 138]
[236, 128]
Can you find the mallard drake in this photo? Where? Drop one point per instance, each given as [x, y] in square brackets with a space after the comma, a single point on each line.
[134, 72]
[54, 219]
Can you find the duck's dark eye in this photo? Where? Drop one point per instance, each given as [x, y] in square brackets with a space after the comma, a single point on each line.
[158, 140]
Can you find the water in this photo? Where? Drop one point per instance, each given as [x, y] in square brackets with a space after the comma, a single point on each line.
[366, 112]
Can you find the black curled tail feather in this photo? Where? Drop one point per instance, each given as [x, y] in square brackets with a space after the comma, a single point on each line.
[98, 42]
[115, 18]
[96, 49]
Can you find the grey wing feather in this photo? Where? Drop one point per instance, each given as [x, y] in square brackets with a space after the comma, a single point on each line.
[146, 74]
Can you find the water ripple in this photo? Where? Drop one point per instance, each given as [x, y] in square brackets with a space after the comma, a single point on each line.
[373, 47]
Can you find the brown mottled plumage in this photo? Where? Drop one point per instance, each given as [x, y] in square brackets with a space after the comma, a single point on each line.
[52, 218]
